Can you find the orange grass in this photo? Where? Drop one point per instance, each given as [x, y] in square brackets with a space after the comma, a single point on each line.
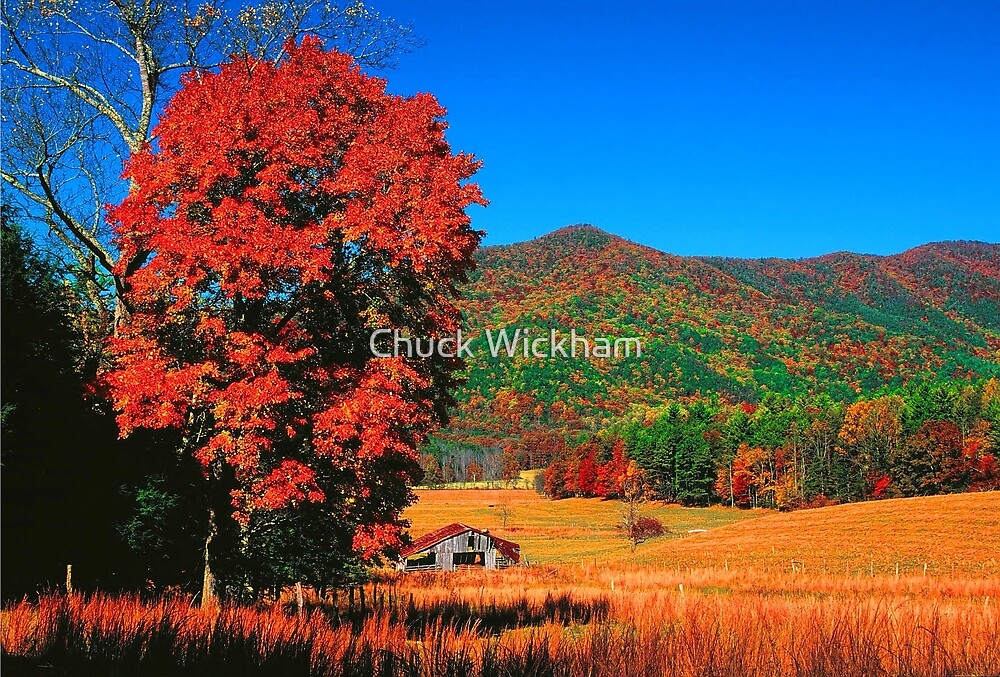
[954, 534]
[569, 530]
[509, 624]
[719, 603]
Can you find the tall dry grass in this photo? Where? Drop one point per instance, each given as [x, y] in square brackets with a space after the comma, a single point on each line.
[534, 621]
[905, 588]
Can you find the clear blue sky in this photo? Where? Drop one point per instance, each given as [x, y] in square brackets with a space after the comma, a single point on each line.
[750, 128]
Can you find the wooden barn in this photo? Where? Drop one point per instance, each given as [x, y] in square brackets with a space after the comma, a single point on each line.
[458, 546]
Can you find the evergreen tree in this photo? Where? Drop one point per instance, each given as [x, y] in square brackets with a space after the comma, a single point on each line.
[59, 467]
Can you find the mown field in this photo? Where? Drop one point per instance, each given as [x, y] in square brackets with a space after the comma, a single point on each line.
[955, 534]
[573, 530]
[723, 602]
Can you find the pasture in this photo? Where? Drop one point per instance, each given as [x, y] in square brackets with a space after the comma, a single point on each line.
[955, 534]
[724, 601]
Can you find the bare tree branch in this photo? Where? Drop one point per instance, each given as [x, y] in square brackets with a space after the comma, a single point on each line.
[85, 80]
[86, 93]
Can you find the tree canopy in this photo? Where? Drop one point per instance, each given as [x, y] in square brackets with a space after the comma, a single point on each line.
[85, 82]
[288, 210]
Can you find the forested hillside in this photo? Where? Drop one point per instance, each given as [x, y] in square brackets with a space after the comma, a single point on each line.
[842, 325]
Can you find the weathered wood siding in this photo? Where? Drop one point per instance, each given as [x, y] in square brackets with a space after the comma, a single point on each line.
[466, 542]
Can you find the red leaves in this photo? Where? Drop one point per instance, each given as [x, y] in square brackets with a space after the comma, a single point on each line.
[290, 483]
[150, 389]
[312, 129]
[646, 528]
[587, 484]
[377, 414]
[612, 474]
[879, 485]
[286, 212]
[371, 539]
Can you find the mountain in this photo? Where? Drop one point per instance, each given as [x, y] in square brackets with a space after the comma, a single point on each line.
[840, 324]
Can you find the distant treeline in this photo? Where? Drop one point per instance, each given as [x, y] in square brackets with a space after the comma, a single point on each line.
[796, 452]
[449, 462]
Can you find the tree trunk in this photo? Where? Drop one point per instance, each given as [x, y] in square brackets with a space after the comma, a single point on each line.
[208, 593]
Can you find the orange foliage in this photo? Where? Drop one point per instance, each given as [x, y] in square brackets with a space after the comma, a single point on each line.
[288, 210]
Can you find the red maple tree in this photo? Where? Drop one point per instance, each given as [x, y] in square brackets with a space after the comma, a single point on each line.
[587, 472]
[287, 211]
[613, 473]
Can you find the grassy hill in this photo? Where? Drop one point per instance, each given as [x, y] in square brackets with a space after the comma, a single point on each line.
[960, 532]
[952, 534]
[839, 324]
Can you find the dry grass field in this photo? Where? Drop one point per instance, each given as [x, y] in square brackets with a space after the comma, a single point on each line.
[572, 530]
[723, 602]
[955, 534]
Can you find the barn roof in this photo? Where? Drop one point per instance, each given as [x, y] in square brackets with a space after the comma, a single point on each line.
[508, 549]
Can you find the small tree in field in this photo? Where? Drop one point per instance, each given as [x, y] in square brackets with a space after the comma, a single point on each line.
[645, 528]
[288, 211]
[632, 490]
[505, 512]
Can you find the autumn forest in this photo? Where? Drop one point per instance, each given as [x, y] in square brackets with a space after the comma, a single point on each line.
[763, 383]
[216, 220]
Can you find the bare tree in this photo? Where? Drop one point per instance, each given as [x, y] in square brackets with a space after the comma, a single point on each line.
[84, 81]
[503, 507]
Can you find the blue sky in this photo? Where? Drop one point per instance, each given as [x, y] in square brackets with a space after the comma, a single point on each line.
[722, 128]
